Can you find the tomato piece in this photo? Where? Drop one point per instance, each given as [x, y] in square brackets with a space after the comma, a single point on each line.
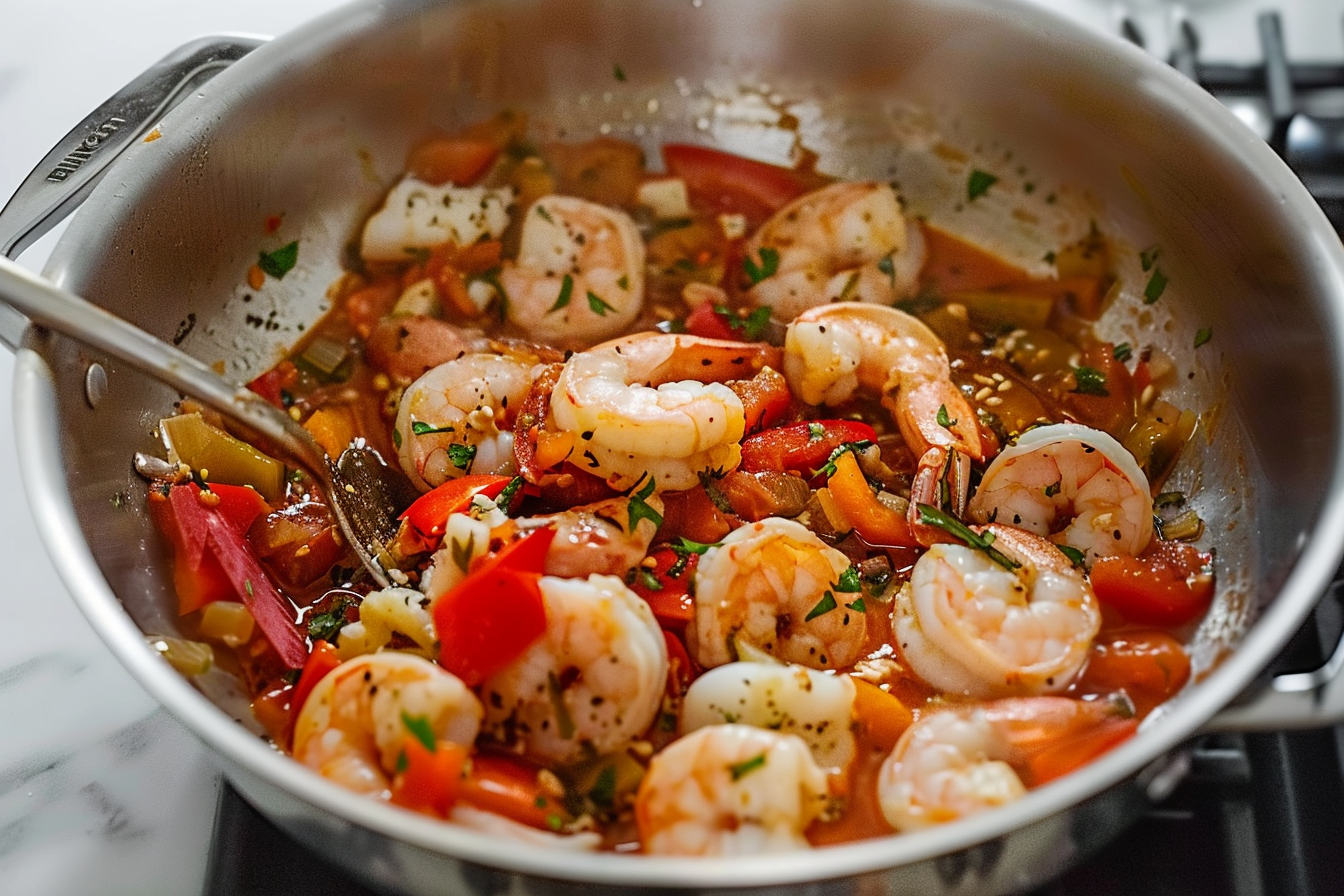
[705, 322]
[320, 662]
[1108, 403]
[509, 787]
[765, 398]
[432, 779]
[730, 184]
[496, 612]
[1170, 584]
[1149, 666]
[429, 512]
[801, 448]
[693, 514]
[875, 522]
[669, 596]
[460, 161]
[274, 383]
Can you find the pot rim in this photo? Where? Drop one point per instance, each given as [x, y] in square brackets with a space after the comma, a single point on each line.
[35, 423]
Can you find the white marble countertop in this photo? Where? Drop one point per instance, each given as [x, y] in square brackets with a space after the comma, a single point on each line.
[100, 791]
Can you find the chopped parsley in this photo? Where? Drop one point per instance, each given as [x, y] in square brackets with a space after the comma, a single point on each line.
[767, 268]
[461, 456]
[566, 286]
[639, 509]
[603, 792]
[943, 419]
[462, 553]
[1203, 335]
[1148, 258]
[1122, 352]
[326, 626]
[740, 770]
[849, 581]
[932, 516]
[428, 429]
[858, 606]
[649, 580]
[617, 72]
[1091, 381]
[751, 327]
[828, 468]
[544, 214]
[420, 727]
[597, 306]
[824, 606]
[505, 498]
[1075, 556]
[978, 184]
[564, 722]
[1157, 284]
[815, 432]
[1053, 489]
[280, 262]
[396, 439]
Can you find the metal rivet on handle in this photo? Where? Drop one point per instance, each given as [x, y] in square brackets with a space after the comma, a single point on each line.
[95, 384]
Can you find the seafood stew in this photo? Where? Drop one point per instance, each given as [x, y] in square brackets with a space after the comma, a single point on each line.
[754, 513]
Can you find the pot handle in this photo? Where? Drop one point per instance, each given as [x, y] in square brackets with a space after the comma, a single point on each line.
[1296, 700]
[66, 175]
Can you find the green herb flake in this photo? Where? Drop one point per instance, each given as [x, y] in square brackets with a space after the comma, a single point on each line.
[751, 327]
[1122, 352]
[396, 439]
[824, 606]
[639, 509]
[461, 456]
[566, 290]
[767, 268]
[564, 722]
[420, 727]
[280, 262]
[849, 581]
[618, 73]
[327, 626]
[624, 282]
[462, 553]
[247, 586]
[540, 802]
[1157, 284]
[815, 432]
[1090, 381]
[858, 606]
[649, 580]
[943, 419]
[828, 468]
[597, 306]
[1148, 258]
[886, 266]
[603, 792]
[685, 546]
[1049, 257]
[1203, 335]
[402, 762]
[428, 429]
[978, 184]
[504, 500]
[932, 516]
[1053, 489]
[544, 214]
[1075, 556]
[740, 770]
[554, 822]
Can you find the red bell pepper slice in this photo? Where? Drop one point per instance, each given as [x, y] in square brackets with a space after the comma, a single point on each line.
[1171, 584]
[725, 183]
[496, 612]
[207, 531]
[432, 779]
[801, 448]
[509, 787]
[429, 512]
[320, 662]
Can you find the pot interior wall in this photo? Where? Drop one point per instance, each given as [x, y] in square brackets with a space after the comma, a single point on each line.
[315, 130]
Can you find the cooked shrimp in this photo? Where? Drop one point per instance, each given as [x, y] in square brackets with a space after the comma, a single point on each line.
[352, 727]
[772, 585]
[729, 790]
[836, 244]
[579, 275]
[597, 538]
[592, 683]
[1076, 485]
[968, 625]
[967, 759]
[790, 699]
[458, 418]
[654, 405]
[834, 352]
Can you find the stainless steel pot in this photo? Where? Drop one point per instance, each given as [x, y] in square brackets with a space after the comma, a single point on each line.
[313, 126]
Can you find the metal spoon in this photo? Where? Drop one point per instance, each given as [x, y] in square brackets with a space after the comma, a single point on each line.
[360, 495]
